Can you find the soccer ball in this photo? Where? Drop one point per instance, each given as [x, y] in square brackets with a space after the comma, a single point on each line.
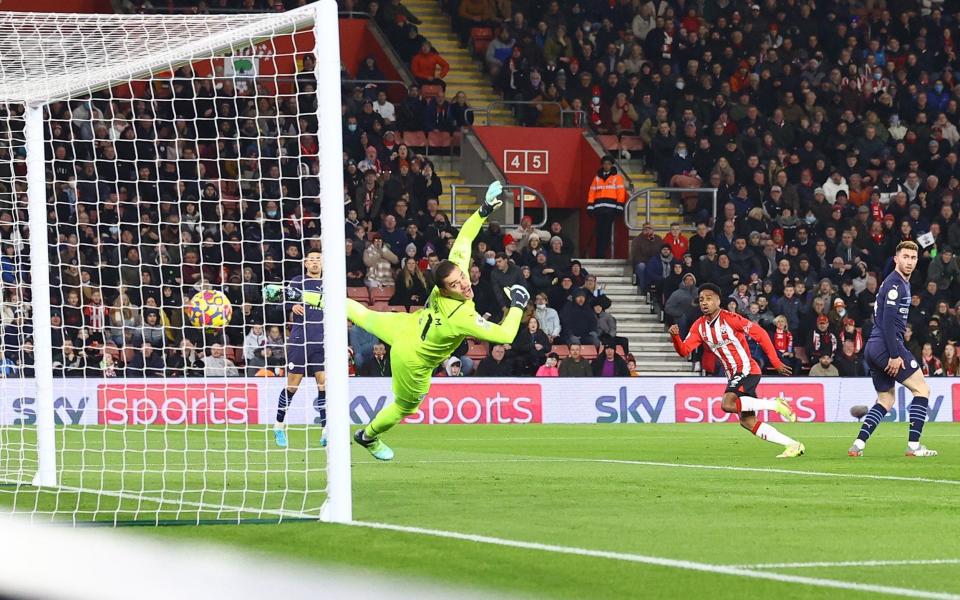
[209, 308]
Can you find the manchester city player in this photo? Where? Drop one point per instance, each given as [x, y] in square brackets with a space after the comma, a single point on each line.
[304, 346]
[888, 359]
[420, 341]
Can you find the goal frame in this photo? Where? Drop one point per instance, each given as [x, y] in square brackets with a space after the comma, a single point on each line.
[35, 95]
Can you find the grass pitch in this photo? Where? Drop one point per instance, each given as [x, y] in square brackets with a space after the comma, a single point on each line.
[709, 494]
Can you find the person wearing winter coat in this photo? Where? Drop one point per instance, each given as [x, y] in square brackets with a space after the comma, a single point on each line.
[678, 304]
[380, 261]
[530, 347]
[607, 328]
[550, 368]
[578, 322]
[548, 318]
[610, 364]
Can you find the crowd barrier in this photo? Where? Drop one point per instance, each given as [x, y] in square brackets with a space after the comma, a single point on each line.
[461, 401]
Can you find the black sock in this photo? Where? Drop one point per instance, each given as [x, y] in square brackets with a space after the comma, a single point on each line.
[876, 414]
[918, 416]
[321, 405]
[282, 404]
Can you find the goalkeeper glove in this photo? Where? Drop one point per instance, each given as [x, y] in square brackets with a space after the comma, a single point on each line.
[275, 292]
[519, 296]
[492, 200]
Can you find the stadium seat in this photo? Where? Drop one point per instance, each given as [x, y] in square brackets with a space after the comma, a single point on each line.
[562, 350]
[415, 139]
[439, 139]
[430, 90]
[360, 294]
[480, 38]
[609, 142]
[631, 143]
[477, 350]
[235, 354]
[383, 294]
[588, 352]
[395, 308]
[381, 307]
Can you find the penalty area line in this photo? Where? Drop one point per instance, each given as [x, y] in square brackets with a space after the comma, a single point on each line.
[663, 562]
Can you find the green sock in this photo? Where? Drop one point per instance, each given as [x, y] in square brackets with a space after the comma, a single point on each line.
[389, 416]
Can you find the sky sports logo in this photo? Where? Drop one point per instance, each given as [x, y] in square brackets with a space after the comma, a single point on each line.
[178, 404]
[458, 404]
[701, 402]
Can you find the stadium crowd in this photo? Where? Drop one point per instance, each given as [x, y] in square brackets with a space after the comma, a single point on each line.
[830, 129]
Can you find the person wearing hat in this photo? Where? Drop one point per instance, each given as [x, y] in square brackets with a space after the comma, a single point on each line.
[606, 201]
[610, 364]
[945, 271]
[578, 322]
[824, 367]
[822, 340]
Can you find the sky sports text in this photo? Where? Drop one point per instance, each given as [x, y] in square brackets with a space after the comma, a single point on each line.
[464, 405]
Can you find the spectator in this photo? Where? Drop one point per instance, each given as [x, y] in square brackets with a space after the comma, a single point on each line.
[676, 241]
[379, 364]
[659, 267]
[379, 259]
[549, 368]
[575, 365]
[428, 67]
[411, 286]
[385, 108]
[578, 321]
[439, 114]
[610, 364]
[218, 365]
[495, 365]
[783, 343]
[642, 249]
[452, 367]
[547, 317]
[504, 275]
[606, 201]
[824, 367]
[607, 328]
[950, 361]
[530, 347]
[929, 363]
[254, 343]
[822, 340]
[848, 362]
[678, 305]
[146, 362]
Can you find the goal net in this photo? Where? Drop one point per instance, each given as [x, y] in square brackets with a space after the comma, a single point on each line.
[144, 160]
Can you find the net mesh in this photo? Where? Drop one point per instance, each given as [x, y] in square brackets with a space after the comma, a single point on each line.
[182, 158]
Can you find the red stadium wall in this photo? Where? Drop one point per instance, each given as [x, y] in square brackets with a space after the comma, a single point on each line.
[559, 163]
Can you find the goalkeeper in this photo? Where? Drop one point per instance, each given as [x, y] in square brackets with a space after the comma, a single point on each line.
[420, 341]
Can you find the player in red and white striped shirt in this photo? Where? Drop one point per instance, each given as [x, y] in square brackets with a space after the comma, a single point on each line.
[724, 333]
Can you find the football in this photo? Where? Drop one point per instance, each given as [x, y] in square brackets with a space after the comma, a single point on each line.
[208, 308]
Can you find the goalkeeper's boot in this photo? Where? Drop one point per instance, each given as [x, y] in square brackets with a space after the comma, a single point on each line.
[784, 410]
[323, 438]
[921, 452]
[280, 435]
[376, 447]
[793, 451]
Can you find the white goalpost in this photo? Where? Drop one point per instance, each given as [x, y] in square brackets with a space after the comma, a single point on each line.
[145, 159]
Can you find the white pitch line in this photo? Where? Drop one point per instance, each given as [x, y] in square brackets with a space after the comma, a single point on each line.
[852, 563]
[664, 562]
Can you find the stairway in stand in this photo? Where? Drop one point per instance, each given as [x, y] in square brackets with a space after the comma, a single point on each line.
[649, 342]
[663, 210]
[466, 74]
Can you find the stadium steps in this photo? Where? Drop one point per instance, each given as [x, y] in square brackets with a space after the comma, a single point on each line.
[663, 210]
[466, 74]
[636, 320]
[448, 169]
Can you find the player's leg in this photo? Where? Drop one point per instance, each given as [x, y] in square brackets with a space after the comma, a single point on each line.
[384, 325]
[410, 385]
[876, 359]
[286, 396]
[740, 397]
[320, 404]
[918, 386]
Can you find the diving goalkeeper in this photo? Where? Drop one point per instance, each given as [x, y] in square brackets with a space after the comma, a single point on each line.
[420, 341]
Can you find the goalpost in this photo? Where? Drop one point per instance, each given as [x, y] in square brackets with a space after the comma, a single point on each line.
[144, 158]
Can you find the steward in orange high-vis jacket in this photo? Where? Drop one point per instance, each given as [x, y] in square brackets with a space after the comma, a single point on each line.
[606, 202]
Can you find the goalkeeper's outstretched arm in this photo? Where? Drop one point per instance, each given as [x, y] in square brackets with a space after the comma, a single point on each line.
[476, 326]
[463, 246]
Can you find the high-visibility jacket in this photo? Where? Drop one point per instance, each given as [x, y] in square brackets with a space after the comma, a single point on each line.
[608, 191]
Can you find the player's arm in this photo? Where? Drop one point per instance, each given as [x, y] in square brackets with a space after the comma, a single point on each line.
[888, 327]
[763, 338]
[463, 246]
[291, 305]
[685, 346]
[474, 325]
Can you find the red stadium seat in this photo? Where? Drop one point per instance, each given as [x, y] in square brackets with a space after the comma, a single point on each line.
[480, 38]
[439, 139]
[430, 91]
[360, 294]
[383, 294]
[609, 142]
[477, 350]
[631, 143]
[415, 139]
[561, 350]
[381, 307]
[588, 352]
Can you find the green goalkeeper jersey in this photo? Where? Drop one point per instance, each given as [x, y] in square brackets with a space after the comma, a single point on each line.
[443, 323]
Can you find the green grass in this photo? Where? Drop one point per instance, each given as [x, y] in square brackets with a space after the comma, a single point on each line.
[543, 484]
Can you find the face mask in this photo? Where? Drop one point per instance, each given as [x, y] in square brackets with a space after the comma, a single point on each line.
[682, 154]
[541, 305]
[878, 76]
[681, 85]
[271, 213]
[938, 87]
[491, 261]
[351, 127]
